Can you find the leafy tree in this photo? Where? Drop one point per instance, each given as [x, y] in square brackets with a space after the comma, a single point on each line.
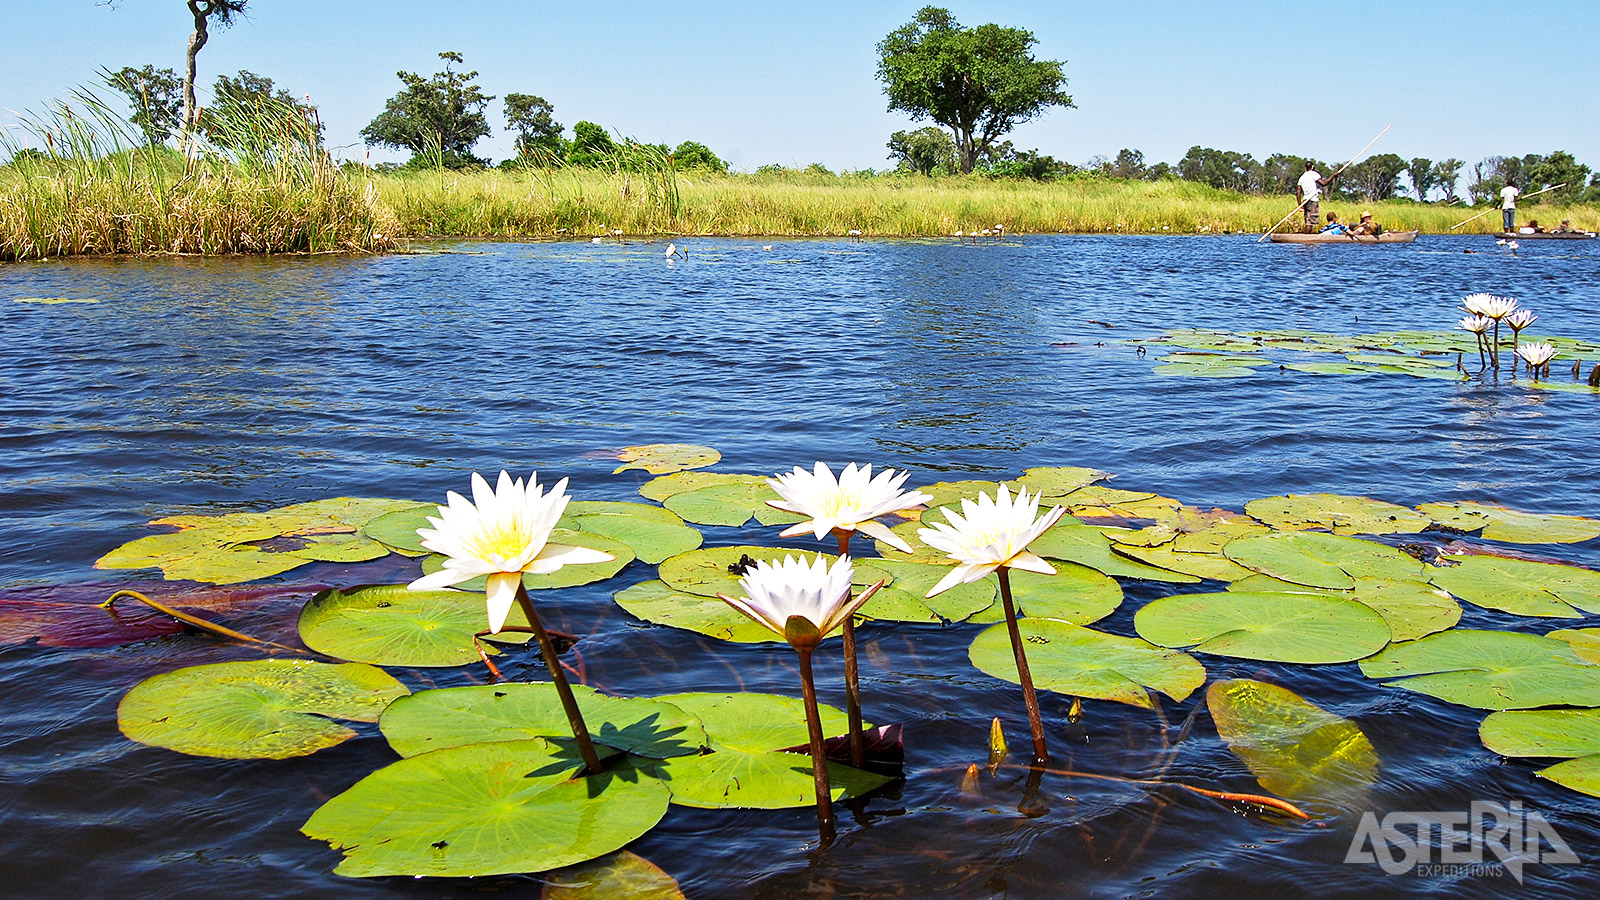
[440, 116]
[591, 145]
[695, 155]
[1128, 164]
[538, 133]
[1223, 169]
[1282, 171]
[1558, 168]
[1376, 177]
[1490, 175]
[1158, 171]
[1422, 174]
[1446, 172]
[1027, 164]
[155, 96]
[246, 99]
[925, 151]
[978, 82]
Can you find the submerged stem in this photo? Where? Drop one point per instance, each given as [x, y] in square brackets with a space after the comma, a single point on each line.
[852, 684]
[569, 703]
[1041, 754]
[819, 757]
[192, 620]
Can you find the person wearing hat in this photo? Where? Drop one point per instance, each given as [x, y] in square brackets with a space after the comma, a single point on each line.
[1566, 227]
[1367, 226]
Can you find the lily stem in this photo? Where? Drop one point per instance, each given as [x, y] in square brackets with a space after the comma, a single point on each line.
[852, 684]
[819, 757]
[1041, 754]
[569, 703]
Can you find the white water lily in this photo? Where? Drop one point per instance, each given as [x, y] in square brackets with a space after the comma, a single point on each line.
[1475, 324]
[504, 535]
[850, 503]
[989, 534]
[814, 591]
[1521, 319]
[1536, 354]
[1488, 305]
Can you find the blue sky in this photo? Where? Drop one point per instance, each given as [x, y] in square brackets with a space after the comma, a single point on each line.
[794, 83]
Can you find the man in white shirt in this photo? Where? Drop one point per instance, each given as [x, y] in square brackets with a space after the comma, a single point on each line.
[1508, 207]
[1308, 190]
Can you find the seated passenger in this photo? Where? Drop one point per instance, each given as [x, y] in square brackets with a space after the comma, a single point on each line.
[1334, 226]
[1533, 227]
[1367, 226]
[1566, 227]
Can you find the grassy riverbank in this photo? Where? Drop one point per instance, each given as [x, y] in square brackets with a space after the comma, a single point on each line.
[287, 200]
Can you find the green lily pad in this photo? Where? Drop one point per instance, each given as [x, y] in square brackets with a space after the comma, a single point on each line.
[1211, 566]
[1501, 524]
[343, 548]
[1296, 749]
[622, 874]
[1521, 587]
[746, 769]
[1572, 734]
[659, 459]
[453, 717]
[581, 508]
[1584, 641]
[1329, 368]
[1055, 481]
[1077, 661]
[1076, 594]
[1412, 609]
[1489, 670]
[1322, 560]
[659, 489]
[651, 539]
[1203, 370]
[1338, 513]
[566, 576]
[920, 552]
[52, 301]
[905, 600]
[398, 530]
[388, 625]
[259, 709]
[1279, 627]
[654, 601]
[951, 493]
[1087, 545]
[485, 809]
[730, 504]
[706, 571]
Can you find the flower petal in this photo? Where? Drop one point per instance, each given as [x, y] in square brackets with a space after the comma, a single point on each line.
[500, 593]
[1031, 563]
[960, 575]
[441, 579]
[883, 533]
[554, 556]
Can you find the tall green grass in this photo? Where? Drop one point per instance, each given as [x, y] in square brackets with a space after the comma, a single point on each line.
[260, 183]
[547, 202]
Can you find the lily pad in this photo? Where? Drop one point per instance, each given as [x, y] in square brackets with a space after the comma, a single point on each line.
[1521, 587]
[659, 459]
[622, 874]
[1294, 748]
[566, 576]
[1203, 370]
[1338, 513]
[660, 489]
[951, 493]
[746, 769]
[258, 709]
[1211, 566]
[453, 717]
[1489, 670]
[730, 504]
[1322, 560]
[485, 809]
[1077, 661]
[1571, 734]
[905, 600]
[1279, 627]
[1076, 594]
[398, 530]
[654, 601]
[1329, 368]
[1501, 524]
[388, 625]
[651, 539]
[1584, 641]
[706, 571]
[1412, 609]
[1054, 481]
[1087, 545]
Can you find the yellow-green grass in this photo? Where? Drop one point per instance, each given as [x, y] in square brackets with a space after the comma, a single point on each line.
[556, 203]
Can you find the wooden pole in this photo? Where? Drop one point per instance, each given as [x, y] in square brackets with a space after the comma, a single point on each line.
[1330, 178]
[1493, 208]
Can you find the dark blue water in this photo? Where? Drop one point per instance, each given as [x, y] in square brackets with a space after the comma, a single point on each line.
[238, 384]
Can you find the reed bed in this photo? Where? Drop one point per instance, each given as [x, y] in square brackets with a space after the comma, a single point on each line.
[535, 203]
[259, 183]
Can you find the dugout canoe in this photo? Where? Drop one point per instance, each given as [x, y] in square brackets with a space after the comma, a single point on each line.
[1547, 236]
[1388, 237]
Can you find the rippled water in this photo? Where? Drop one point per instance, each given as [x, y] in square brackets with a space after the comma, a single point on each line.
[234, 384]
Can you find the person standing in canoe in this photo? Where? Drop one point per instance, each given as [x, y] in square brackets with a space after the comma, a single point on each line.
[1308, 190]
[1508, 207]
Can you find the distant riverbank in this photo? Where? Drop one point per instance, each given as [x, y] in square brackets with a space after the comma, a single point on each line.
[138, 206]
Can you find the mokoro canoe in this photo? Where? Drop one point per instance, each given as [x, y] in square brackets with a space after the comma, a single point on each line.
[1547, 236]
[1388, 237]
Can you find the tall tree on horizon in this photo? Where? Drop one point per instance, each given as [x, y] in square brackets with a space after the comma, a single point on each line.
[204, 12]
[978, 82]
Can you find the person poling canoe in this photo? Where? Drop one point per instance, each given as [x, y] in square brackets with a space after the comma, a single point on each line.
[1317, 182]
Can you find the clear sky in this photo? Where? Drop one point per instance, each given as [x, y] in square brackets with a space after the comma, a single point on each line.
[794, 82]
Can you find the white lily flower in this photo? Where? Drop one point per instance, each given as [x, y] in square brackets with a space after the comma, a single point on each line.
[1489, 306]
[1475, 324]
[814, 591]
[1536, 354]
[850, 503]
[1521, 319]
[505, 534]
[989, 534]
